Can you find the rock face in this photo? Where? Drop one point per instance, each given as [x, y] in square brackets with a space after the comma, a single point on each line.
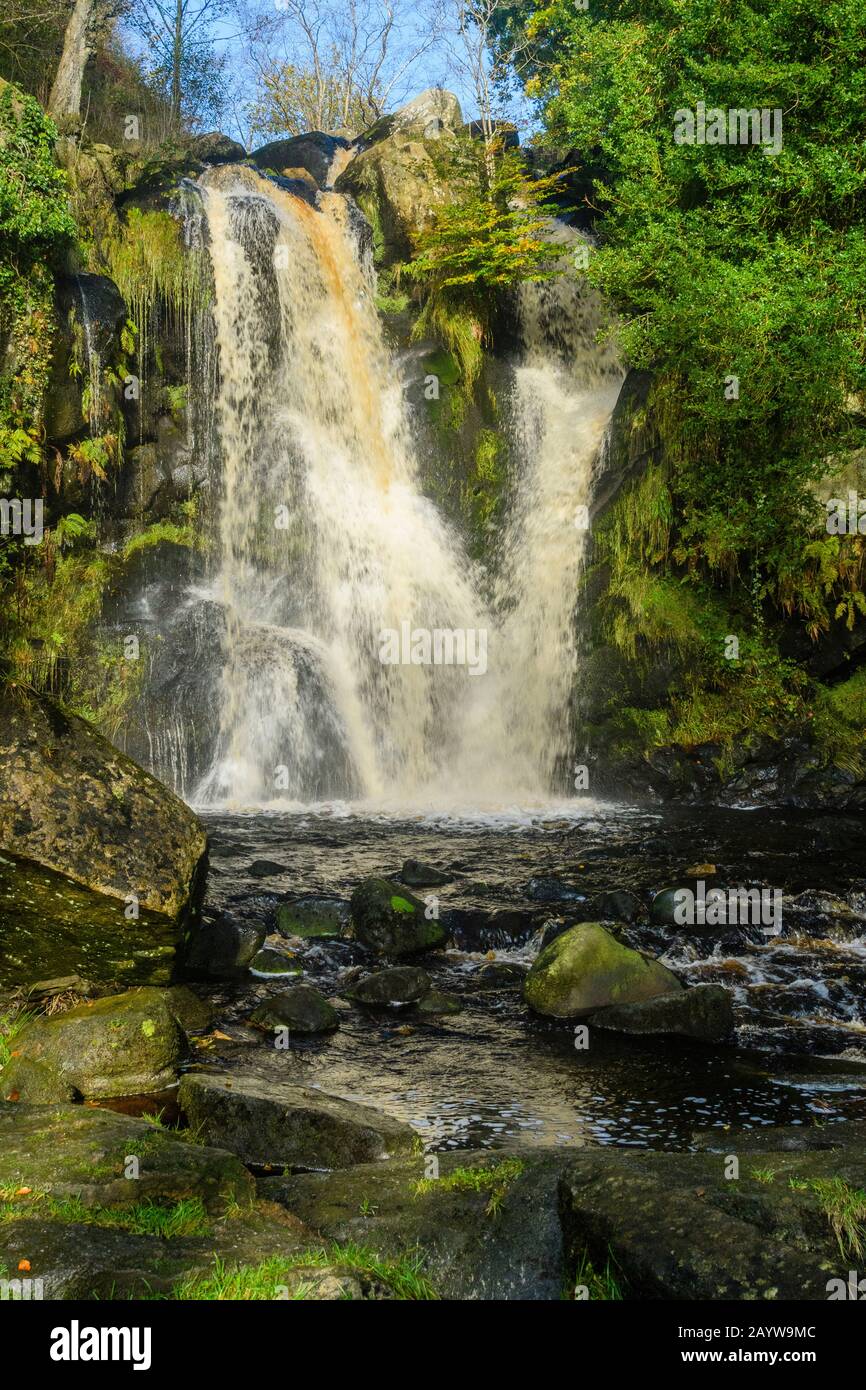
[704, 1012]
[394, 179]
[71, 801]
[280, 1123]
[313, 152]
[391, 920]
[586, 969]
[121, 1045]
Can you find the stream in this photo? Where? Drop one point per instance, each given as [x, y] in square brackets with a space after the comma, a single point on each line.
[495, 1073]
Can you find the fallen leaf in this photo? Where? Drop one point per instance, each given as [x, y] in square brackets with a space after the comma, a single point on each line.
[23, 1191]
[700, 870]
[24, 1266]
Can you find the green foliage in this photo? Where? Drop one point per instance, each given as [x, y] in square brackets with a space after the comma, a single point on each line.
[724, 262]
[487, 237]
[36, 230]
[149, 264]
[601, 1285]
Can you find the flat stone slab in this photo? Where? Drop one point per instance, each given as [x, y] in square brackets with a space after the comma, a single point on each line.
[282, 1123]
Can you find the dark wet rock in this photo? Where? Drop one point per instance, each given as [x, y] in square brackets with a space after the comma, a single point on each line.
[301, 1009]
[194, 1015]
[268, 964]
[266, 868]
[438, 1003]
[478, 1240]
[216, 148]
[515, 922]
[271, 1122]
[586, 969]
[313, 152]
[397, 987]
[553, 890]
[417, 875]
[121, 1045]
[616, 905]
[392, 921]
[500, 974]
[817, 913]
[72, 802]
[221, 948]
[313, 917]
[704, 1012]
[675, 1226]
[76, 1151]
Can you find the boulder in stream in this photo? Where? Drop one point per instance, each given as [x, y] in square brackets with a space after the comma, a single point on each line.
[395, 988]
[311, 918]
[586, 969]
[392, 921]
[704, 1012]
[301, 1009]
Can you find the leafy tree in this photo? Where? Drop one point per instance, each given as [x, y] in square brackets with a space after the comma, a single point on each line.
[489, 236]
[726, 262]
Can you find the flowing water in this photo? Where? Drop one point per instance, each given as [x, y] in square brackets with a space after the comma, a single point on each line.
[317, 758]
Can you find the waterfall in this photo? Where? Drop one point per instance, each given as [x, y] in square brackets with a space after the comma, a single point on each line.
[324, 542]
[325, 539]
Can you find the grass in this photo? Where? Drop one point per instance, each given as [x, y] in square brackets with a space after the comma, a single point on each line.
[10, 1026]
[266, 1281]
[845, 1209]
[601, 1285]
[766, 1175]
[184, 1218]
[494, 1180]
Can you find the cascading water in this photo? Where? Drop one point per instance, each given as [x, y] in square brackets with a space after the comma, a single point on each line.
[324, 541]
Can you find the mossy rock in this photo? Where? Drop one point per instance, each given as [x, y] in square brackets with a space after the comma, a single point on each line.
[586, 969]
[122, 1045]
[395, 988]
[313, 917]
[271, 964]
[301, 1010]
[71, 801]
[391, 921]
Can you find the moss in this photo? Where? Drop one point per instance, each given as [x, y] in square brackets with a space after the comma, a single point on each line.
[495, 1180]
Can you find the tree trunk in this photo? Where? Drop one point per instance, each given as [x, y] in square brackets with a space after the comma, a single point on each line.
[65, 99]
[177, 63]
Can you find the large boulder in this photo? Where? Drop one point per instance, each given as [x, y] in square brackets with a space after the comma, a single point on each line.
[73, 802]
[392, 921]
[486, 1224]
[314, 153]
[121, 1045]
[280, 1123]
[705, 1012]
[216, 148]
[586, 969]
[397, 184]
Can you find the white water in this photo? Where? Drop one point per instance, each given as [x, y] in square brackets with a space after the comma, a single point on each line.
[325, 539]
